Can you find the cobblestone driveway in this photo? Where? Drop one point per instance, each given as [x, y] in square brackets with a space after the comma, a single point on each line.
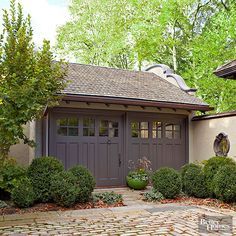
[138, 218]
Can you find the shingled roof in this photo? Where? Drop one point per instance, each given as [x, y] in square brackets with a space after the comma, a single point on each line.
[227, 70]
[89, 80]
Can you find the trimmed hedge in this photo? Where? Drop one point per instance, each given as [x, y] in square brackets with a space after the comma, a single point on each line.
[167, 181]
[85, 182]
[224, 183]
[211, 167]
[194, 181]
[64, 188]
[23, 194]
[185, 168]
[40, 172]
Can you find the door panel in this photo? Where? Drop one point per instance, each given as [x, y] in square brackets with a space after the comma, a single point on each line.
[110, 151]
[166, 142]
[61, 152]
[81, 139]
[73, 154]
[113, 162]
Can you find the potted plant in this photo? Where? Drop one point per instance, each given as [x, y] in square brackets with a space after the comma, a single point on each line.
[138, 177]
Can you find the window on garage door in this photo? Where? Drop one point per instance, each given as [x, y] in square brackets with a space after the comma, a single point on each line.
[156, 129]
[68, 126]
[139, 129]
[88, 126]
[172, 131]
[108, 128]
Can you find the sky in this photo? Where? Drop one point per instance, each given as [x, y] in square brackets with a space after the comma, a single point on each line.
[46, 15]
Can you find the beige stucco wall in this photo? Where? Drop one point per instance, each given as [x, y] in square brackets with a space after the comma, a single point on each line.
[22, 152]
[204, 133]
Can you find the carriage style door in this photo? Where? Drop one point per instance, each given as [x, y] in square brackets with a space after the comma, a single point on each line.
[94, 141]
[109, 162]
[159, 138]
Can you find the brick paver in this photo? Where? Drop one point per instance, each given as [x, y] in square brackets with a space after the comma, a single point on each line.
[134, 219]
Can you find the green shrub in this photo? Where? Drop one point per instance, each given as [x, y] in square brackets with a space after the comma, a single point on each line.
[108, 197]
[194, 181]
[167, 181]
[64, 189]
[186, 167]
[85, 182]
[224, 183]
[211, 167]
[153, 196]
[23, 194]
[40, 172]
[10, 173]
[3, 204]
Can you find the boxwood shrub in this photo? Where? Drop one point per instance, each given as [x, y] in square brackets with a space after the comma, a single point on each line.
[211, 167]
[40, 172]
[185, 168]
[85, 182]
[167, 181]
[194, 181]
[23, 194]
[224, 183]
[64, 188]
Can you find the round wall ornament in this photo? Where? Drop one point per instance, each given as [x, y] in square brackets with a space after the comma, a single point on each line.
[221, 145]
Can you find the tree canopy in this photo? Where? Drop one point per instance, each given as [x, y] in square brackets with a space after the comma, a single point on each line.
[193, 37]
[29, 78]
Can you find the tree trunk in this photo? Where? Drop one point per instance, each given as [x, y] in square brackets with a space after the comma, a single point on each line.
[174, 58]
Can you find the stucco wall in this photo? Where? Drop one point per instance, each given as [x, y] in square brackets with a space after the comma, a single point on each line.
[204, 133]
[22, 152]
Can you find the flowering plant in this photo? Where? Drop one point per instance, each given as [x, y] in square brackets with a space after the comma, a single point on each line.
[140, 170]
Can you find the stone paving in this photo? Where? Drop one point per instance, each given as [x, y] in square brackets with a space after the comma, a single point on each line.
[137, 218]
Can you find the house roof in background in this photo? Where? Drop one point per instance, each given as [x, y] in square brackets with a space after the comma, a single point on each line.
[227, 70]
[112, 84]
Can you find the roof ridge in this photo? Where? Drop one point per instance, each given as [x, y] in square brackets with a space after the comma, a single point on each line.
[112, 68]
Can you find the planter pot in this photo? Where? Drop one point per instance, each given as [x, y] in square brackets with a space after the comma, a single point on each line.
[136, 183]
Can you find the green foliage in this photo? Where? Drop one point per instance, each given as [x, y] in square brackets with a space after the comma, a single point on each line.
[167, 181]
[211, 167]
[64, 189]
[10, 173]
[29, 78]
[139, 174]
[40, 172]
[185, 168]
[193, 37]
[108, 197]
[194, 181]
[3, 204]
[153, 196]
[85, 182]
[23, 194]
[224, 183]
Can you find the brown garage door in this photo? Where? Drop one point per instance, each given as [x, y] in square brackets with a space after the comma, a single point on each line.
[90, 140]
[162, 139]
[97, 140]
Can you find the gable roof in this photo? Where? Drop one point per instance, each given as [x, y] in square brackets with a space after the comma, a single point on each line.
[110, 83]
[227, 70]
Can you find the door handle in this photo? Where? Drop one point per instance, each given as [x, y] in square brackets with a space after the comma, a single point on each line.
[119, 160]
[109, 141]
